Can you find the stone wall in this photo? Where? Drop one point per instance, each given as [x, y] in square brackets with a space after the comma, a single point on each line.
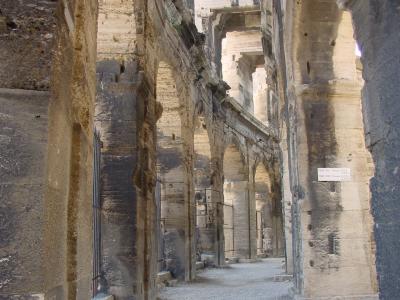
[375, 23]
[323, 107]
[27, 33]
[68, 199]
[24, 129]
[50, 46]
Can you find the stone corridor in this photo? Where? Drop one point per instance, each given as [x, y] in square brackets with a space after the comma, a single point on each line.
[262, 280]
[143, 138]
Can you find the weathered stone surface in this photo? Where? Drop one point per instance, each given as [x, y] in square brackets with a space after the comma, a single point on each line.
[332, 222]
[27, 32]
[379, 42]
[188, 168]
[23, 142]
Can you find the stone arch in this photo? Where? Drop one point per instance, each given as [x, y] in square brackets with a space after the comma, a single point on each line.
[233, 140]
[267, 185]
[174, 178]
[331, 137]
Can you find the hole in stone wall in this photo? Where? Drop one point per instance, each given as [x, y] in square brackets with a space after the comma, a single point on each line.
[308, 67]
[11, 25]
[332, 243]
[309, 227]
[311, 263]
[332, 187]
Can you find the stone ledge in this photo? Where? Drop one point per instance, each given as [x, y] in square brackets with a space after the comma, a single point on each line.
[22, 297]
[22, 92]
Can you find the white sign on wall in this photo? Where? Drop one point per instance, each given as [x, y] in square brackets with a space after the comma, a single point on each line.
[334, 174]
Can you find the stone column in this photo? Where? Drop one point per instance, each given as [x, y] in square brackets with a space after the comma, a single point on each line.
[116, 120]
[261, 199]
[217, 195]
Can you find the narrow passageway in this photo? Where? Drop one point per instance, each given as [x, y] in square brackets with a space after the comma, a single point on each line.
[263, 280]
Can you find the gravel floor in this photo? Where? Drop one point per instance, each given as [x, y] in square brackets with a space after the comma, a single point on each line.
[235, 282]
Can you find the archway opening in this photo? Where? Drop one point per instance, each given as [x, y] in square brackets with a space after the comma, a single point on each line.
[333, 162]
[264, 218]
[171, 189]
[205, 208]
[236, 205]
[242, 61]
[261, 95]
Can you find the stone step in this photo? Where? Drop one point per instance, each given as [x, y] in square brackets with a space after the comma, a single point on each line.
[231, 260]
[163, 278]
[199, 265]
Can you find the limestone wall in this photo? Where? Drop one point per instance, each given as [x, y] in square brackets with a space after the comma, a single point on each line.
[24, 121]
[332, 221]
[51, 47]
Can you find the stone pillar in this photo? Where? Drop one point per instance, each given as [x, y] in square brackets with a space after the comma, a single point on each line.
[287, 202]
[261, 199]
[252, 217]
[116, 117]
[217, 198]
